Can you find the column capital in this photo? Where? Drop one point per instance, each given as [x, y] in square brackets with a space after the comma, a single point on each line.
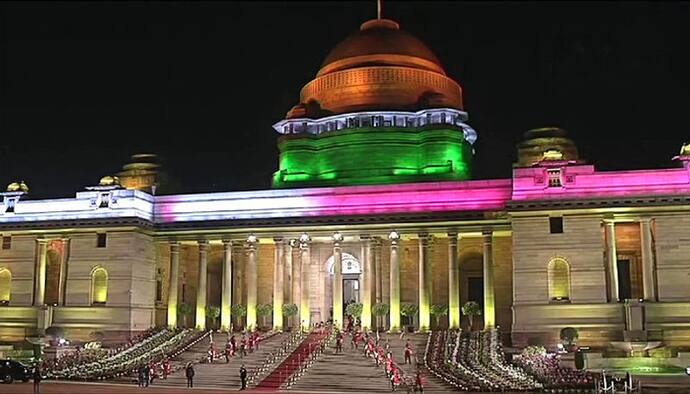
[337, 239]
[43, 241]
[227, 242]
[646, 220]
[609, 220]
[174, 247]
[453, 237]
[203, 243]
[278, 239]
[394, 237]
[365, 237]
[425, 239]
[304, 240]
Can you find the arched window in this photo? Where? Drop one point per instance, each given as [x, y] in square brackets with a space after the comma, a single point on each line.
[99, 286]
[5, 285]
[559, 279]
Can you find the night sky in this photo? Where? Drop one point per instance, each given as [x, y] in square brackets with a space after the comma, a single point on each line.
[85, 85]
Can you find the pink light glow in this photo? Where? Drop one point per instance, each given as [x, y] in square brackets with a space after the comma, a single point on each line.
[590, 184]
[356, 200]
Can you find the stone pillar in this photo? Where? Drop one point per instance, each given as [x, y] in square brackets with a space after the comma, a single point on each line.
[287, 272]
[297, 284]
[646, 239]
[376, 248]
[173, 283]
[337, 281]
[238, 273]
[611, 260]
[200, 321]
[41, 261]
[424, 283]
[304, 310]
[489, 293]
[278, 264]
[453, 282]
[251, 281]
[62, 296]
[226, 292]
[367, 282]
[394, 237]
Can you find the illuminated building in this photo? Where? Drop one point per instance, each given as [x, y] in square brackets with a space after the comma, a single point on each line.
[372, 198]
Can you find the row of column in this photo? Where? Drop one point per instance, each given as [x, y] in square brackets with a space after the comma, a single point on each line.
[299, 293]
[647, 248]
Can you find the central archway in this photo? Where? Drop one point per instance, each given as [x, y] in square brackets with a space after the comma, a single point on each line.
[351, 273]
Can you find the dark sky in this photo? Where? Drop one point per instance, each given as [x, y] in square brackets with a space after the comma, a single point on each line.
[85, 85]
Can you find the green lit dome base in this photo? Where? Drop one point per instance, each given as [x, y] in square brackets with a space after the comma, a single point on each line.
[367, 156]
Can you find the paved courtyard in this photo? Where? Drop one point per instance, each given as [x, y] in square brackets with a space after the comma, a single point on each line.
[653, 385]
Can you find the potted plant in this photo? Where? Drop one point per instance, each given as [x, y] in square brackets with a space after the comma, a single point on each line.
[263, 311]
[239, 311]
[184, 310]
[355, 310]
[438, 311]
[409, 311]
[569, 336]
[213, 313]
[290, 311]
[380, 310]
[471, 309]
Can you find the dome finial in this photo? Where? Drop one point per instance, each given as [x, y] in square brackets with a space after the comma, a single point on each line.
[379, 6]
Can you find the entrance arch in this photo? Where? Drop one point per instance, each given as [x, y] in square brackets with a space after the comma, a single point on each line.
[351, 274]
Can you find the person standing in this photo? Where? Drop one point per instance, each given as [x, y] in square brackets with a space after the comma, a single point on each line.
[243, 377]
[189, 373]
[408, 352]
[140, 376]
[419, 382]
[37, 379]
[147, 375]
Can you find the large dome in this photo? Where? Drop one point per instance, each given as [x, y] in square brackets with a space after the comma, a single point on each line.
[378, 68]
[380, 42]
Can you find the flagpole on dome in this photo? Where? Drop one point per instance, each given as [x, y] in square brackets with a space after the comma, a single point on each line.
[379, 6]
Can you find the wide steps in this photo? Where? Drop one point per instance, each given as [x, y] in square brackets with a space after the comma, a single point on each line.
[349, 371]
[432, 383]
[219, 373]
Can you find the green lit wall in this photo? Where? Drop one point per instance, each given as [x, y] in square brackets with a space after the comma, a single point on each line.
[366, 156]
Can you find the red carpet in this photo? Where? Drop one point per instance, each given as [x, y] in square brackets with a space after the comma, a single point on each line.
[291, 364]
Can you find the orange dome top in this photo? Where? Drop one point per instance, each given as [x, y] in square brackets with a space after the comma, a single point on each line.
[379, 67]
[380, 42]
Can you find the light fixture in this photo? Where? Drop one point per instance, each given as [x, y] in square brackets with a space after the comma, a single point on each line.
[251, 238]
[338, 237]
[394, 236]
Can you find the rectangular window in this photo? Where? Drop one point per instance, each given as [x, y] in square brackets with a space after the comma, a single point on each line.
[556, 225]
[555, 178]
[6, 242]
[159, 290]
[10, 205]
[102, 239]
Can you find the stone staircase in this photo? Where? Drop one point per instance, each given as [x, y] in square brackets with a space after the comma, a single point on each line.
[218, 374]
[432, 383]
[349, 371]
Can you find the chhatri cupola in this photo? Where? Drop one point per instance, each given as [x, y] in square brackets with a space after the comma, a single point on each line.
[381, 109]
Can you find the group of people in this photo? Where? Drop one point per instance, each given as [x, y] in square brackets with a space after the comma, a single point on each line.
[155, 370]
[380, 352]
[547, 369]
[247, 344]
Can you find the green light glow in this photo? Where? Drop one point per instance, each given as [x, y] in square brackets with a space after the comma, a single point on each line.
[366, 156]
